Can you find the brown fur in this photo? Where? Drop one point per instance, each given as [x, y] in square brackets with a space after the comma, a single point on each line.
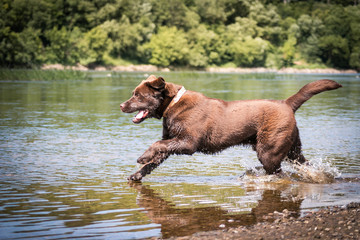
[197, 123]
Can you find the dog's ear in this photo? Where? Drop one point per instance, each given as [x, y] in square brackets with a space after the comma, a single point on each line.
[156, 83]
[171, 89]
[151, 77]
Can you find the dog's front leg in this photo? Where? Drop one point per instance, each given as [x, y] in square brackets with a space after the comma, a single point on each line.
[158, 152]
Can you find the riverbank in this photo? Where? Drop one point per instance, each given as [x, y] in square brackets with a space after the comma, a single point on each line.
[152, 68]
[328, 223]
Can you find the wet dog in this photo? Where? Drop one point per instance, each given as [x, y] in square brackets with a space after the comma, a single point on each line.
[193, 123]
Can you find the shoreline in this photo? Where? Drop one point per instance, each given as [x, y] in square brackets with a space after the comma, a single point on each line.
[338, 222]
[152, 68]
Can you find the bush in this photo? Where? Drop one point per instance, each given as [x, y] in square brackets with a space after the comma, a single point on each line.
[250, 52]
[20, 49]
[354, 61]
[94, 45]
[168, 47]
[334, 51]
[64, 46]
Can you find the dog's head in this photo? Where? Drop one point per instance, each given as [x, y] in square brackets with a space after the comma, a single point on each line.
[147, 98]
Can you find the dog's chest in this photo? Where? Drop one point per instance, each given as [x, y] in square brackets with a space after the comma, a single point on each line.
[172, 128]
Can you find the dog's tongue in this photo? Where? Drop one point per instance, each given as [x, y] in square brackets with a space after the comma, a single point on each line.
[140, 116]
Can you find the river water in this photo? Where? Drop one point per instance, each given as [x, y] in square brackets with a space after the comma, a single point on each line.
[66, 151]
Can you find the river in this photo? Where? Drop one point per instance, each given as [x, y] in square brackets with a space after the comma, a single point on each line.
[66, 150]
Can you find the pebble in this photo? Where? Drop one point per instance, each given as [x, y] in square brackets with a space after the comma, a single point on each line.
[332, 223]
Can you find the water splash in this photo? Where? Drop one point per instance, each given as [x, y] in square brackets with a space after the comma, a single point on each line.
[257, 177]
[317, 170]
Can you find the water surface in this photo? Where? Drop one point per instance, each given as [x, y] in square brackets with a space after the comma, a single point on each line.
[66, 151]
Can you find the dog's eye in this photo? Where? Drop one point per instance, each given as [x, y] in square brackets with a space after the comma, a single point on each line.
[138, 97]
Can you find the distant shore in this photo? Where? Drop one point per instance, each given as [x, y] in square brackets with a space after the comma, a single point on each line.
[152, 68]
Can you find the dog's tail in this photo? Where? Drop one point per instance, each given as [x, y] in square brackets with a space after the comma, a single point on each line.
[309, 90]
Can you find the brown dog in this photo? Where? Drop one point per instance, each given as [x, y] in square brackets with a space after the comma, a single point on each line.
[193, 123]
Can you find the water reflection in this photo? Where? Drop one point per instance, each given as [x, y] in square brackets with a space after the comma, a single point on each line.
[110, 208]
[76, 210]
[185, 221]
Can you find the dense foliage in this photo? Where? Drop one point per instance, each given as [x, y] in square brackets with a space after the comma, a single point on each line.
[193, 33]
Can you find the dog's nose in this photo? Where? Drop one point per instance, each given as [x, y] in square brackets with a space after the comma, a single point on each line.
[122, 106]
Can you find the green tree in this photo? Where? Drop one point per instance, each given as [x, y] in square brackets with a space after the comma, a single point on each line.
[205, 46]
[20, 49]
[97, 12]
[354, 60]
[173, 13]
[268, 19]
[353, 37]
[310, 30]
[336, 21]
[95, 44]
[221, 11]
[64, 46]
[289, 51]
[212, 11]
[168, 47]
[126, 37]
[245, 27]
[250, 52]
[78, 13]
[334, 51]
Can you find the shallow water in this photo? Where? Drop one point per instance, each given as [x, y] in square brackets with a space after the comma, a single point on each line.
[66, 150]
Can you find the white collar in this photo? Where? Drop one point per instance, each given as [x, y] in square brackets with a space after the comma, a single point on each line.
[179, 94]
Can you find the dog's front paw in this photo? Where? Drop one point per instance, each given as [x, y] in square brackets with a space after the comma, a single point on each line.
[135, 177]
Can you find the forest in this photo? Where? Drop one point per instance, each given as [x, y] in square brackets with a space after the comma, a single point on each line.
[186, 33]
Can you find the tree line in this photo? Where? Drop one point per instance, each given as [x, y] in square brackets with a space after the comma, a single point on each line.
[190, 33]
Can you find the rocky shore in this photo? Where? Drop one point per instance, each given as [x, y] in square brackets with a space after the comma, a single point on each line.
[152, 68]
[327, 223]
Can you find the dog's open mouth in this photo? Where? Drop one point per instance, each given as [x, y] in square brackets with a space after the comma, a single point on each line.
[142, 114]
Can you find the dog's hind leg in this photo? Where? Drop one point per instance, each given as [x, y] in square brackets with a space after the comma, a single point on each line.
[272, 153]
[271, 161]
[295, 155]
